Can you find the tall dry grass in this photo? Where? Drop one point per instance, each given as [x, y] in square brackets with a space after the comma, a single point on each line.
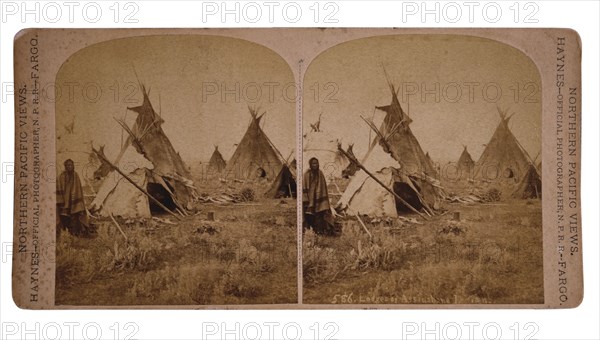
[246, 258]
[493, 255]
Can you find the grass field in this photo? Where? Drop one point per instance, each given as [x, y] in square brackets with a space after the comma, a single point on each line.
[246, 256]
[493, 254]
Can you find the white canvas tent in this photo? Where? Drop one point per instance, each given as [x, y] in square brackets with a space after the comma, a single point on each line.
[364, 195]
[119, 197]
[323, 146]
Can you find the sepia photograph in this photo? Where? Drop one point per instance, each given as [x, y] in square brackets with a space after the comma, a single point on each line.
[326, 170]
[176, 174]
[297, 169]
[422, 173]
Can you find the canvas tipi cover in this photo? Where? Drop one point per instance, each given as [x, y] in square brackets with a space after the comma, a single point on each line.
[403, 145]
[119, 197]
[324, 147]
[150, 140]
[216, 164]
[285, 184]
[432, 164]
[465, 165]
[164, 169]
[352, 168]
[503, 158]
[394, 145]
[429, 159]
[365, 196]
[104, 168]
[255, 155]
[530, 185]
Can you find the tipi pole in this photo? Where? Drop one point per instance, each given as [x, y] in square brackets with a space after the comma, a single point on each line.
[118, 226]
[355, 161]
[137, 186]
[363, 225]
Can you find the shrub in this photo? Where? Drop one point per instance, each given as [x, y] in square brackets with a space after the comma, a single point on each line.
[319, 264]
[248, 194]
[241, 283]
[492, 195]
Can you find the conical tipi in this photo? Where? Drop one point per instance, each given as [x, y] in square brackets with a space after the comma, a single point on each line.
[284, 184]
[385, 160]
[149, 156]
[530, 185]
[255, 155]
[216, 164]
[432, 164]
[503, 158]
[465, 165]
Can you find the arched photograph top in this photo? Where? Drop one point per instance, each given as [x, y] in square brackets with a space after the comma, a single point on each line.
[179, 143]
[309, 168]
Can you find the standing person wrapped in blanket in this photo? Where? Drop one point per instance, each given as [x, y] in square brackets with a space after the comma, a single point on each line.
[315, 200]
[70, 205]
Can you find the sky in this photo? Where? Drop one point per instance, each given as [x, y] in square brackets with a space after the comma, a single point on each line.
[465, 72]
[201, 85]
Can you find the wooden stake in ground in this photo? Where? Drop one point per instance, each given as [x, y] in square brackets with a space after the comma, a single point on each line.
[456, 216]
[118, 226]
[137, 186]
[363, 225]
[355, 161]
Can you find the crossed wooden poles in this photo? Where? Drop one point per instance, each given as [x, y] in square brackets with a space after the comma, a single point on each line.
[355, 161]
[136, 185]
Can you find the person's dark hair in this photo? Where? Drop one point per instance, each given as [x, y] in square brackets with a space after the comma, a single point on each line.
[68, 161]
[313, 158]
